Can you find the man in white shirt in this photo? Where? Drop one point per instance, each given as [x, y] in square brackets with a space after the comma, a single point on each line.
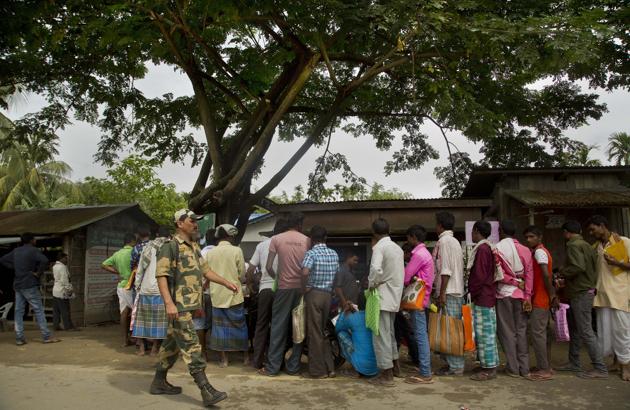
[387, 272]
[266, 294]
[449, 281]
[62, 292]
[203, 324]
[612, 302]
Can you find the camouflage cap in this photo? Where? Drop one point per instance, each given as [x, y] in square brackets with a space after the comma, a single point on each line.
[185, 213]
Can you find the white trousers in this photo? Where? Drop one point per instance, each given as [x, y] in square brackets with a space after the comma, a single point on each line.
[613, 333]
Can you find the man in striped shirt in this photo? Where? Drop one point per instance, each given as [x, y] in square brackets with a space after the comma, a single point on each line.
[321, 265]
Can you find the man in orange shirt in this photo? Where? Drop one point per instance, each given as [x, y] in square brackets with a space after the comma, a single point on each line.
[543, 298]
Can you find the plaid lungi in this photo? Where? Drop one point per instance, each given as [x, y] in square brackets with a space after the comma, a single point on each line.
[150, 321]
[229, 329]
[485, 324]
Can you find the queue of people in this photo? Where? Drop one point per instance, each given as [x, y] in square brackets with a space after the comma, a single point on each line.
[510, 285]
[178, 297]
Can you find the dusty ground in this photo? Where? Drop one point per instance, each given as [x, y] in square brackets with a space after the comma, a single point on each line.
[88, 369]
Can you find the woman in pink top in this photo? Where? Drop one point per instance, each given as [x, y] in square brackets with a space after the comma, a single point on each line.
[420, 266]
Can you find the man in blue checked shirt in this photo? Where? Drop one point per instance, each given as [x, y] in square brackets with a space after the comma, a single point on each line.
[320, 265]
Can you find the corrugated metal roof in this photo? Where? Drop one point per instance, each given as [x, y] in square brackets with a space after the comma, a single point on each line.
[576, 198]
[58, 220]
[382, 204]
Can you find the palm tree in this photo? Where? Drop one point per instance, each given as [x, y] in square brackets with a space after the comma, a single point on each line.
[5, 126]
[31, 178]
[619, 148]
[581, 157]
[578, 156]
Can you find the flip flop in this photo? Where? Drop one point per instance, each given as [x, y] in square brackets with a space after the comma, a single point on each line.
[418, 380]
[51, 340]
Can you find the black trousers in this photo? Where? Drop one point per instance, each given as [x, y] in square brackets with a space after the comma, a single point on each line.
[263, 322]
[283, 303]
[61, 310]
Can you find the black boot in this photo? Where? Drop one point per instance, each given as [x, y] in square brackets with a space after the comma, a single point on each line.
[209, 394]
[161, 386]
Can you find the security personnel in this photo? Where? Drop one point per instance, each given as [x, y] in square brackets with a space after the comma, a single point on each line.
[180, 270]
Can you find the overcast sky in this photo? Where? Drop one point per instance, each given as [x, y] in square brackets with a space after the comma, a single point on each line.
[79, 143]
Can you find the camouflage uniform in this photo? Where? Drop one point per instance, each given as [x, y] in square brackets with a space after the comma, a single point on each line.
[188, 270]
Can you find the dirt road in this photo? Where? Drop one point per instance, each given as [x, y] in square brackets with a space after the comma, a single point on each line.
[88, 370]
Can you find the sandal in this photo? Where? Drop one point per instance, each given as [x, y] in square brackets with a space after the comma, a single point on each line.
[350, 373]
[419, 380]
[538, 377]
[263, 372]
[483, 376]
[379, 381]
[447, 371]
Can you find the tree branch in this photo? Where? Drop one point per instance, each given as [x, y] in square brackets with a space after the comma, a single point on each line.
[228, 93]
[373, 72]
[448, 146]
[215, 55]
[321, 125]
[169, 40]
[202, 178]
[353, 113]
[322, 48]
[296, 43]
[285, 90]
[354, 58]
[267, 134]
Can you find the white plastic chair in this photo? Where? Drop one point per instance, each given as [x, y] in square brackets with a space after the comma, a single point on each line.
[4, 313]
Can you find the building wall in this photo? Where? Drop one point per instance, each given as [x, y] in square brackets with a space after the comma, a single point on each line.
[252, 236]
[555, 182]
[359, 222]
[550, 219]
[103, 238]
[74, 246]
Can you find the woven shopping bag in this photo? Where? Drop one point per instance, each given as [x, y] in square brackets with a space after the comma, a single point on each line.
[372, 310]
[446, 334]
[299, 322]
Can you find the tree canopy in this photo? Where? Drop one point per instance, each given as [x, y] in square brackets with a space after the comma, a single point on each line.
[134, 180]
[289, 70]
[341, 192]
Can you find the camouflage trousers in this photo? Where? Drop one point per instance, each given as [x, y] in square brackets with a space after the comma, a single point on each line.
[181, 337]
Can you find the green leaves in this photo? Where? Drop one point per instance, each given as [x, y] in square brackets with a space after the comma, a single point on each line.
[134, 180]
[619, 148]
[30, 177]
[469, 64]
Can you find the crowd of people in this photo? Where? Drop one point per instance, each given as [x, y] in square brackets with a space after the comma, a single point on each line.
[176, 297]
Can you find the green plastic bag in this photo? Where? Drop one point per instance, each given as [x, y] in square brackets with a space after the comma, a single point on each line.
[372, 310]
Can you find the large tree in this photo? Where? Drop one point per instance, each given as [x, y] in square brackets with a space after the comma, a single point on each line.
[284, 69]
